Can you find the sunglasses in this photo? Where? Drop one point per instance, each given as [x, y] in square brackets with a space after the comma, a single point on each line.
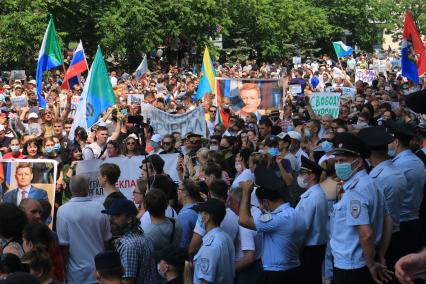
[214, 142]
[212, 111]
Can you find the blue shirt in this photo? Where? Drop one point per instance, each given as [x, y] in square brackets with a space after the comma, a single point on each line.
[215, 261]
[313, 208]
[415, 173]
[281, 239]
[187, 218]
[362, 204]
[392, 184]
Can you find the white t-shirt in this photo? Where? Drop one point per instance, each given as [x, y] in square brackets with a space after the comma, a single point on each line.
[249, 240]
[245, 175]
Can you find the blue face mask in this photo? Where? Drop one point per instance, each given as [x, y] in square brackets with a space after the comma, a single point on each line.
[307, 133]
[57, 146]
[200, 222]
[343, 170]
[154, 144]
[50, 150]
[15, 148]
[273, 152]
[326, 146]
[289, 128]
[392, 153]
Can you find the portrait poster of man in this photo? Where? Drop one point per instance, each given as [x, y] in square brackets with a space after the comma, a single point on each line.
[35, 179]
[250, 96]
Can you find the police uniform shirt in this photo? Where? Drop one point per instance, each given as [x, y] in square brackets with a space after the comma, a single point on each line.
[361, 204]
[313, 207]
[392, 183]
[281, 241]
[415, 173]
[215, 261]
[229, 225]
[249, 240]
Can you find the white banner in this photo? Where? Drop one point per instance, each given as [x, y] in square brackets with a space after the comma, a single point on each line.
[130, 173]
[326, 103]
[348, 93]
[165, 123]
[367, 76]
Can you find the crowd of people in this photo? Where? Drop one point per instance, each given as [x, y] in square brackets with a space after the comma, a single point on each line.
[276, 196]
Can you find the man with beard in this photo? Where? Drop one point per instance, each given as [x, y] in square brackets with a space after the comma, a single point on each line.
[136, 251]
[82, 232]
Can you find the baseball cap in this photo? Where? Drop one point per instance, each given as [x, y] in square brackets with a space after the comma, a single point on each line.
[33, 82]
[212, 206]
[32, 115]
[157, 138]
[18, 86]
[121, 206]
[107, 260]
[295, 135]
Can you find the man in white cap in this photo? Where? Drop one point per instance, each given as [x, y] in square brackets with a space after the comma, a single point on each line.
[155, 143]
[295, 148]
[18, 91]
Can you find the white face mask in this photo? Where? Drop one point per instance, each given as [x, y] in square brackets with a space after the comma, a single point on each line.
[214, 148]
[301, 182]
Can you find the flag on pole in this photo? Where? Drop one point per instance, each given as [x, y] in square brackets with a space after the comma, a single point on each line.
[415, 49]
[342, 49]
[142, 69]
[78, 65]
[49, 57]
[207, 81]
[412, 48]
[97, 95]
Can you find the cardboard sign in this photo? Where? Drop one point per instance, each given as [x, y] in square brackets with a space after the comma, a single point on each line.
[21, 101]
[74, 102]
[326, 103]
[135, 99]
[17, 75]
[367, 76]
[295, 89]
[348, 93]
[297, 60]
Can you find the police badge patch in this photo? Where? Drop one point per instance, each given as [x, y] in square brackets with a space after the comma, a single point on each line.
[355, 208]
[204, 264]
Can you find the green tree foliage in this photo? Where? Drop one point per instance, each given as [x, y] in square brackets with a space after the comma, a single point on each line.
[126, 29]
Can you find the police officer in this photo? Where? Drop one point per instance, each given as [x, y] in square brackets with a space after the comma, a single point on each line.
[412, 167]
[281, 225]
[215, 261]
[392, 183]
[356, 224]
[313, 208]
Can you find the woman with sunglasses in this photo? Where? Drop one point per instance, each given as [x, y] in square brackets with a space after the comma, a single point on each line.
[131, 147]
[139, 196]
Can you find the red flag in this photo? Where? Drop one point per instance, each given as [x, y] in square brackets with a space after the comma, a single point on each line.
[410, 33]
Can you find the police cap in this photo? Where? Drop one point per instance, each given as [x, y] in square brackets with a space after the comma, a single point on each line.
[309, 166]
[399, 129]
[347, 144]
[375, 137]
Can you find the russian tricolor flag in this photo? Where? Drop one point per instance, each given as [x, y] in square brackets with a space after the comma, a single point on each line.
[78, 65]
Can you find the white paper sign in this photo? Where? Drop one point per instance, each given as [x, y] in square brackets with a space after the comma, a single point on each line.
[367, 76]
[135, 99]
[21, 101]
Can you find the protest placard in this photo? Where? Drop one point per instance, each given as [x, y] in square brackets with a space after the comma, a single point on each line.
[367, 76]
[326, 103]
[135, 99]
[297, 60]
[254, 95]
[295, 89]
[165, 123]
[42, 184]
[17, 75]
[130, 173]
[347, 93]
[74, 102]
[21, 101]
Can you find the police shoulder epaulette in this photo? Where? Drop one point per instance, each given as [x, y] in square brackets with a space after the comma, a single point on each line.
[353, 184]
[378, 173]
[209, 240]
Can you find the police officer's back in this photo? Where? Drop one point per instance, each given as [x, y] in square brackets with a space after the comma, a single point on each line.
[281, 225]
[313, 207]
[413, 168]
[215, 260]
[391, 181]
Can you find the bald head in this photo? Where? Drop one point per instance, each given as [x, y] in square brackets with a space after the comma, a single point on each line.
[32, 209]
[79, 186]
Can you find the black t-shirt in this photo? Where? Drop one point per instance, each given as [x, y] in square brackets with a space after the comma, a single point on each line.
[178, 280]
[111, 197]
